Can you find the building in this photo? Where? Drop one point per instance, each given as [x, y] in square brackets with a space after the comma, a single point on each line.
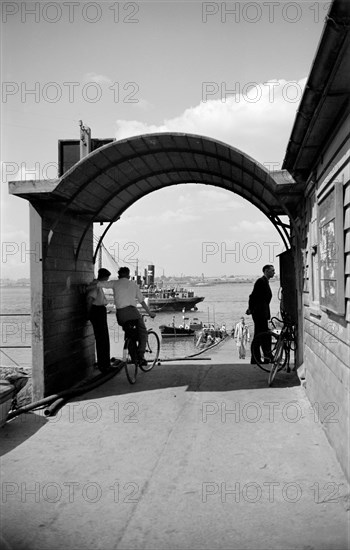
[318, 157]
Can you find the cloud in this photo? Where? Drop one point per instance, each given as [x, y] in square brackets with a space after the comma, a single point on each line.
[165, 217]
[209, 198]
[98, 78]
[143, 105]
[178, 216]
[102, 81]
[257, 120]
[219, 200]
[256, 227]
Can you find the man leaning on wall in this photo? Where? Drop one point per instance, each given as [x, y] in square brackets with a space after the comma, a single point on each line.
[97, 314]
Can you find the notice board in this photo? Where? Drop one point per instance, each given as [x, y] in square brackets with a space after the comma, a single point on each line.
[331, 250]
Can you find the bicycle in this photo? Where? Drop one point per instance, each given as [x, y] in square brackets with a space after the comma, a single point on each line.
[130, 356]
[281, 342]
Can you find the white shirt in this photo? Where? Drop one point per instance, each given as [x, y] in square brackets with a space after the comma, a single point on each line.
[97, 294]
[242, 332]
[126, 293]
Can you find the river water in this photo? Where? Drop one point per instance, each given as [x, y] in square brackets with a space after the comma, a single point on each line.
[223, 303]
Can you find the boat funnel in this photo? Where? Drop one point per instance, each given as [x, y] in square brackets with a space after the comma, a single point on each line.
[150, 275]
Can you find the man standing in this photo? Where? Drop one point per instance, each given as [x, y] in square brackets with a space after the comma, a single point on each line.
[126, 294]
[259, 308]
[97, 314]
[242, 337]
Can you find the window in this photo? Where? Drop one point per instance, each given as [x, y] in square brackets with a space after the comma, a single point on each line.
[331, 250]
[313, 252]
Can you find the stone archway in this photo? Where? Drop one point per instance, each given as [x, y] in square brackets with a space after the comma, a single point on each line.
[99, 188]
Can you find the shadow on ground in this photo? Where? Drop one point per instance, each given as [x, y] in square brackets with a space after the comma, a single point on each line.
[197, 378]
[19, 429]
[194, 376]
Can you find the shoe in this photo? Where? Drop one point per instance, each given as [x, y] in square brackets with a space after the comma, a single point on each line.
[143, 362]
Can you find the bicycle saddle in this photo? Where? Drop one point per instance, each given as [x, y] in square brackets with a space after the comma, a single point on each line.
[130, 325]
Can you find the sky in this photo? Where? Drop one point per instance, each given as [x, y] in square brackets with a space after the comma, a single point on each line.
[232, 71]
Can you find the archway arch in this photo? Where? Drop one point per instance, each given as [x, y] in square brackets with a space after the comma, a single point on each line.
[109, 180]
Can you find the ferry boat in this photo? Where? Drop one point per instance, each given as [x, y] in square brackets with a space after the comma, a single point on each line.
[164, 300]
[171, 299]
[159, 298]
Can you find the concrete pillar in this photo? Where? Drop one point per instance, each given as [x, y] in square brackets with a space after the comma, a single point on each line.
[63, 341]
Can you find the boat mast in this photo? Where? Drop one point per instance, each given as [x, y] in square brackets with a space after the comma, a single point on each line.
[100, 257]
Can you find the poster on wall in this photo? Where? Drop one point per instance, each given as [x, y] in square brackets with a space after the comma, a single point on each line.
[328, 258]
[331, 252]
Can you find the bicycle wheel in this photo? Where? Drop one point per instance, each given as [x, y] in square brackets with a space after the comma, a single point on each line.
[279, 361]
[152, 350]
[130, 363]
[272, 373]
[258, 354]
[291, 339]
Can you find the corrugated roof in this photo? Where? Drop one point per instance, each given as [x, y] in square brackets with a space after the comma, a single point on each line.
[101, 186]
[326, 98]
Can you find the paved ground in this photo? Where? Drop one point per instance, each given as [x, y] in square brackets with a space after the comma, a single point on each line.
[196, 455]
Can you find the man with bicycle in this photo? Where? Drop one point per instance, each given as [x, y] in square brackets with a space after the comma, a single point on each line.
[259, 308]
[126, 294]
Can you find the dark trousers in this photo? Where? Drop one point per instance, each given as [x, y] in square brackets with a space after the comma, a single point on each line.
[130, 313]
[98, 318]
[260, 325]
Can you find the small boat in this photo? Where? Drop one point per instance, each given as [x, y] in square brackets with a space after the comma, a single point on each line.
[194, 324]
[210, 335]
[7, 392]
[12, 382]
[171, 331]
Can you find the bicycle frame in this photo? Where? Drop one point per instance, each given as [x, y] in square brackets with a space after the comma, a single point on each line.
[131, 348]
[285, 343]
[266, 345]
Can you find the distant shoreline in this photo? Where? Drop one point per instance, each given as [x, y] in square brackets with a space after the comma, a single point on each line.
[211, 283]
[15, 285]
[198, 283]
